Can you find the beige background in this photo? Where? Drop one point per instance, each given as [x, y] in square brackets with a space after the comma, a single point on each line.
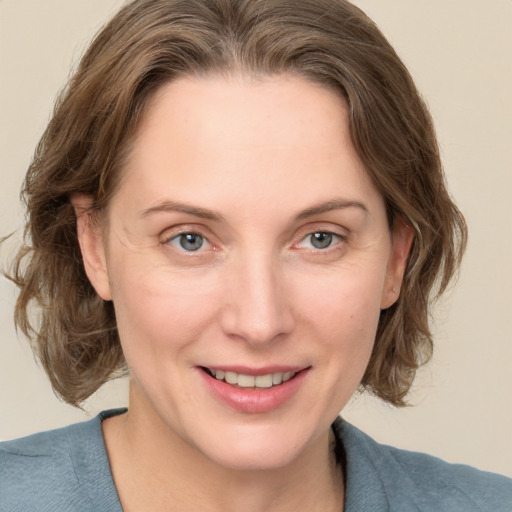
[460, 52]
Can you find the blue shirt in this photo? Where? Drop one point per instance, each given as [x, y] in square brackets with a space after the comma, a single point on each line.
[67, 470]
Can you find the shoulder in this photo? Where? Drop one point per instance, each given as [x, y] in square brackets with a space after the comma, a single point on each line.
[416, 481]
[53, 470]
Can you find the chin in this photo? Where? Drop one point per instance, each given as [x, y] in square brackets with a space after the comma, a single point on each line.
[255, 458]
[255, 448]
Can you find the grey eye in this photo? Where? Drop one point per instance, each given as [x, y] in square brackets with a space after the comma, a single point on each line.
[189, 241]
[321, 240]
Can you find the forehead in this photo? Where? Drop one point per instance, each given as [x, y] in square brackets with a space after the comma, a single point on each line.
[240, 111]
[239, 137]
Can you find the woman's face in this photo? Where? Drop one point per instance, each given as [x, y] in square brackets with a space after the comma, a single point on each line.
[248, 257]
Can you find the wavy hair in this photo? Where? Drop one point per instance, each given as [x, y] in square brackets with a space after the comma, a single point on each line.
[147, 44]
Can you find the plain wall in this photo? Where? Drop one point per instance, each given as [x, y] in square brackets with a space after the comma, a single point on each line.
[460, 53]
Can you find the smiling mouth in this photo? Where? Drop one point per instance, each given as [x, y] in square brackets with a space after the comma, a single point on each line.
[241, 380]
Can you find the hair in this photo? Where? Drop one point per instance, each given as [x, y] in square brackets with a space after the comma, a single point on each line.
[151, 42]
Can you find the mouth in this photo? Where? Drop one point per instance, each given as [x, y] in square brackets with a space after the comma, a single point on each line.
[251, 390]
[246, 381]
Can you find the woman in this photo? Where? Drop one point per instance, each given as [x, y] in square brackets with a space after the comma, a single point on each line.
[234, 203]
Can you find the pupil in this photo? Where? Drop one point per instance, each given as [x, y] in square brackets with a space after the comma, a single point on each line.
[191, 241]
[321, 240]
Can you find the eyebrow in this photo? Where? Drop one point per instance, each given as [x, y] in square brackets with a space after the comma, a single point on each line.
[172, 206]
[334, 204]
[203, 213]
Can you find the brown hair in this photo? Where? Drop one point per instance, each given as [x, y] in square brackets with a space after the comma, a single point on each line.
[148, 43]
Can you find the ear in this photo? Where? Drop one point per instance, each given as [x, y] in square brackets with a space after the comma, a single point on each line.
[90, 239]
[402, 237]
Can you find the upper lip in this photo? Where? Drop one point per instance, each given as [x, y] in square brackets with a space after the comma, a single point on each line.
[263, 370]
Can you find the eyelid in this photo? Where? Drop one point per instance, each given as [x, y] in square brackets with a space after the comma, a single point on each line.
[183, 228]
[173, 232]
[322, 227]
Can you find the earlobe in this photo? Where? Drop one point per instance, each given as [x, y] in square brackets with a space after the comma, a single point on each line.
[402, 237]
[90, 239]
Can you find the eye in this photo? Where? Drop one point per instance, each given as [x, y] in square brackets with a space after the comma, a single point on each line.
[320, 240]
[189, 242]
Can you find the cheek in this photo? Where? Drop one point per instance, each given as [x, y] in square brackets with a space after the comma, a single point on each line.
[345, 304]
[340, 314]
[157, 308]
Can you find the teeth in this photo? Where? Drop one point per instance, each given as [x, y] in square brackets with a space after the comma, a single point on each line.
[250, 381]
[246, 381]
[231, 378]
[277, 378]
[263, 381]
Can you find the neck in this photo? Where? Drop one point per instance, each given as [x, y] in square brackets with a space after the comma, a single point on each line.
[155, 469]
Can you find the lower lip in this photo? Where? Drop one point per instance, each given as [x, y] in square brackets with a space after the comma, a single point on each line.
[254, 400]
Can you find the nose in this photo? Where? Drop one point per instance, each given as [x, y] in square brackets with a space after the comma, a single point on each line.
[257, 308]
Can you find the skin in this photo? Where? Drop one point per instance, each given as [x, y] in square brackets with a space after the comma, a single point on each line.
[262, 154]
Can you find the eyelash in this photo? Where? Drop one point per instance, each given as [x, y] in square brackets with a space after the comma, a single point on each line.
[333, 239]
